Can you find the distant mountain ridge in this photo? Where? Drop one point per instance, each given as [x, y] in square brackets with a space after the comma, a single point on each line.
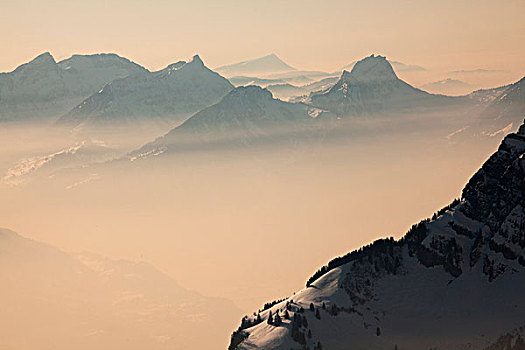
[59, 300]
[510, 104]
[43, 88]
[262, 65]
[371, 87]
[169, 95]
[452, 282]
[247, 115]
[448, 86]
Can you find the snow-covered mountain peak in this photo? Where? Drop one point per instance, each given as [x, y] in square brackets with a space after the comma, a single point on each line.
[173, 93]
[100, 60]
[373, 87]
[263, 65]
[372, 68]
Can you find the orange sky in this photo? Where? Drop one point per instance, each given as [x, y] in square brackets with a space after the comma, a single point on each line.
[446, 34]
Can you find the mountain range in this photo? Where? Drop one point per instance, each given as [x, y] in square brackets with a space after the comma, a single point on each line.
[107, 89]
[246, 116]
[454, 281]
[43, 88]
[250, 115]
[171, 94]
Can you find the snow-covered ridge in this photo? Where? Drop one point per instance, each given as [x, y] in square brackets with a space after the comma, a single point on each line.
[43, 88]
[245, 116]
[452, 282]
[80, 154]
[171, 94]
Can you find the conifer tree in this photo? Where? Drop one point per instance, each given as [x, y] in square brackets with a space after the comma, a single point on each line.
[277, 320]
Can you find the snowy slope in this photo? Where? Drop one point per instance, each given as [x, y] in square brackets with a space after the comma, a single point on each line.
[373, 87]
[501, 109]
[262, 65]
[80, 154]
[57, 300]
[455, 281]
[509, 105]
[247, 115]
[43, 88]
[171, 94]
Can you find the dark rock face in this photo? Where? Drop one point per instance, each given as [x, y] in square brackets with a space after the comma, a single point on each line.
[495, 195]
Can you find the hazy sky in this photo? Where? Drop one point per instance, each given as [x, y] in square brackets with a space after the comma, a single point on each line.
[310, 34]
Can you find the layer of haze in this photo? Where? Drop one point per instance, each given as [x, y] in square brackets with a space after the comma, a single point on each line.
[440, 35]
[248, 226]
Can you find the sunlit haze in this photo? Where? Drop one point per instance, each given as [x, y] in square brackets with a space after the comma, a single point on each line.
[270, 175]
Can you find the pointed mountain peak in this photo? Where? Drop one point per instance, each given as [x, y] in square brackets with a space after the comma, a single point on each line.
[372, 68]
[42, 61]
[45, 57]
[274, 59]
[197, 60]
[262, 65]
[272, 56]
